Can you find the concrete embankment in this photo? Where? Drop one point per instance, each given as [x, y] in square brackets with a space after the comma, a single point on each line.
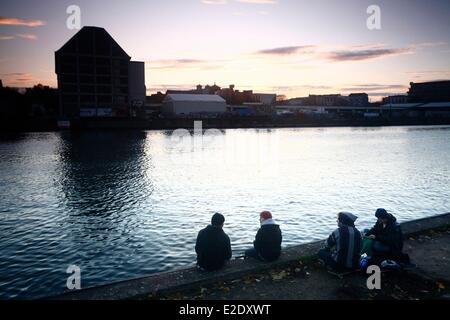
[188, 278]
[260, 122]
[251, 122]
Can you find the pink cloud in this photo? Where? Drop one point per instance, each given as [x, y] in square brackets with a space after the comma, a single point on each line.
[23, 36]
[21, 22]
[26, 36]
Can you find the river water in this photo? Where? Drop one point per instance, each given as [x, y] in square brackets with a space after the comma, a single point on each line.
[122, 204]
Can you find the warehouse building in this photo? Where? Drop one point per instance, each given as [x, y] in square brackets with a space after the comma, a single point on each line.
[193, 104]
[96, 77]
[434, 91]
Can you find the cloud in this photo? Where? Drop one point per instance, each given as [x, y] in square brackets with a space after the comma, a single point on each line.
[361, 55]
[222, 2]
[362, 46]
[215, 2]
[429, 75]
[18, 78]
[374, 87]
[258, 1]
[16, 74]
[295, 87]
[430, 44]
[340, 53]
[242, 13]
[23, 36]
[168, 64]
[21, 22]
[181, 61]
[26, 36]
[172, 63]
[287, 50]
[164, 87]
[316, 87]
[12, 74]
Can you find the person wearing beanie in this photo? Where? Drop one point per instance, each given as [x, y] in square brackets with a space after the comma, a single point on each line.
[386, 235]
[267, 244]
[213, 245]
[343, 248]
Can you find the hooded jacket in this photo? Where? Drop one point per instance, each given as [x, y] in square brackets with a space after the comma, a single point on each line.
[268, 241]
[390, 235]
[347, 242]
[213, 248]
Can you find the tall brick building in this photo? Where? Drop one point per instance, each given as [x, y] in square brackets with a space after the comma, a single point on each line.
[96, 77]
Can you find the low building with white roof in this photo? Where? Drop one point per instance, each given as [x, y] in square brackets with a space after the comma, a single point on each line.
[189, 104]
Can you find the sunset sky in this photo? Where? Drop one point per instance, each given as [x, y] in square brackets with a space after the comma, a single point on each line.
[290, 47]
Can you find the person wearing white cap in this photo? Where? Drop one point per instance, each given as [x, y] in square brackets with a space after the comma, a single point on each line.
[267, 244]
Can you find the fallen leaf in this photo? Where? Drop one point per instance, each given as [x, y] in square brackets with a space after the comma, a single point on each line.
[279, 276]
[440, 286]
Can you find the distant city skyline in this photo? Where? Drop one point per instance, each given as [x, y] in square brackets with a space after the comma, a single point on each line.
[289, 47]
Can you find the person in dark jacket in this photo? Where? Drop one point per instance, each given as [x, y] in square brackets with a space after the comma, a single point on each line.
[213, 246]
[267, 244]
[386, 235]
[343, 247]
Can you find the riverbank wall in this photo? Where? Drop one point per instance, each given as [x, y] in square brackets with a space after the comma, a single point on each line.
[49, 125]
[191, 277]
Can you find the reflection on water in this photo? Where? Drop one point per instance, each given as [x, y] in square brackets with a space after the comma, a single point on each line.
[126, 204]
[98, 170]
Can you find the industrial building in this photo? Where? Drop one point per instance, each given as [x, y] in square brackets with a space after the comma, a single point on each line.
[432, 109]
[434, 91]
[193, 104]
[397, 99]
[359, 99]
[96, 77]
[267, 99]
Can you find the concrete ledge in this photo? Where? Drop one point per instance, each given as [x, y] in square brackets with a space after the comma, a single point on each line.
[192, 277]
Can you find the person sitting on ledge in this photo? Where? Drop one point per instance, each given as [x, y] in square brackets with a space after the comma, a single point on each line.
[343, 247]
[386, 236]
[213, 246]
[267, 244]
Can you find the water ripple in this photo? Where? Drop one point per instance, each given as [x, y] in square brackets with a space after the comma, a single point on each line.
[125, 204]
